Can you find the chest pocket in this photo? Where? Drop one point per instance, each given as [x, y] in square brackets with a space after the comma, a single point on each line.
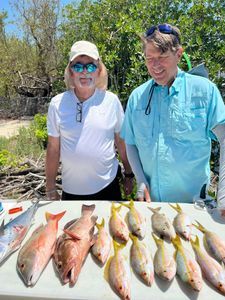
[143, 128]
[188, 125]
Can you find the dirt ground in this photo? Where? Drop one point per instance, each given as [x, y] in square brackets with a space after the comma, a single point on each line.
[9, 128]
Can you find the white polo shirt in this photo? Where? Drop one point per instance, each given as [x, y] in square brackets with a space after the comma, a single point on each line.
[87, 150]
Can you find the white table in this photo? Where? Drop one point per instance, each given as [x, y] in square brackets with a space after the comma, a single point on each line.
[91, 283]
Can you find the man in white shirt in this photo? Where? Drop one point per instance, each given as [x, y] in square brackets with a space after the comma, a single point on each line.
[83, 128]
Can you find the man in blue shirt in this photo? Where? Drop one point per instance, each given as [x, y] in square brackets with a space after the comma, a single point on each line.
[169, 123]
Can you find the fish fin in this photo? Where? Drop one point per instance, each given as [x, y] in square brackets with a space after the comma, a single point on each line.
[87, 210]
[2, 227]
[176, 241]
[199, 226]
[157, 240]
[154, 210]
[101, 225]
[57, 217]
[73, 235]
[177, 207]
[106, 269]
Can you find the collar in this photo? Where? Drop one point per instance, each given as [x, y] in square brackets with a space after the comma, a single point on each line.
[176, 86]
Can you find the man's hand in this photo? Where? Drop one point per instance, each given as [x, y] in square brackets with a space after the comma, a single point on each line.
[143, 193]
[128, 184]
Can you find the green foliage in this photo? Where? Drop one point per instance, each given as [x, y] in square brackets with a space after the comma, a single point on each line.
[7, 159]
[115, 26]
[40, 128]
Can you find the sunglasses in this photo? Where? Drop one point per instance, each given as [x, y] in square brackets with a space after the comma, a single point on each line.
[79, 112]
[79, 68]
[163, 28]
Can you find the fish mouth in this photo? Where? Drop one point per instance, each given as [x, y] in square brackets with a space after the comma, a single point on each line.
[70, 276]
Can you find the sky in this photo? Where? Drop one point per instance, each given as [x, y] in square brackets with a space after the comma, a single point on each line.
[5, 5]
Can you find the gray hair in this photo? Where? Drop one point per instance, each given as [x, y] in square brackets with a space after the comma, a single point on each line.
[163, 41]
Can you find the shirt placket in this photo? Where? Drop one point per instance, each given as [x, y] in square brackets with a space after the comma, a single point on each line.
[162, 167]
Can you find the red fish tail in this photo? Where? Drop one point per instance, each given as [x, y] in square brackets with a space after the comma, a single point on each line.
[56, 217]
[87, 209]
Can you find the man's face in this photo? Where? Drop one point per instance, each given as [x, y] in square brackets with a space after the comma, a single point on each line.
[84, 80]
[162, 66]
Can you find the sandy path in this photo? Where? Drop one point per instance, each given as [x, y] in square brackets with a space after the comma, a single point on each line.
[10, 128]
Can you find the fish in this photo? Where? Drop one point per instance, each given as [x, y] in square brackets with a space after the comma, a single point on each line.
[161, 224]
[187, 267]
[214, 245]
[211, 269]
[102, 245]
[118, 226]
[13, 233]
[164, 262]
[136, 221]
[117, 272]
[72, 247]
[182, 223]
[35, 254]
[141, 261]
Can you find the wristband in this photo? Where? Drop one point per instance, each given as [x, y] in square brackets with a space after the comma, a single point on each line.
[128, 175]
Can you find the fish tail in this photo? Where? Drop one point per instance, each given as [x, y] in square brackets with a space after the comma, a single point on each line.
[176, 242]
[200, 227]
[154, 210]
[101, 225]
[117, 246]
[195, 243]
[158, 241]
[126, 205]
[57, 217]
[115, 208]
[177, 207]
[133, 238]
[87, 209]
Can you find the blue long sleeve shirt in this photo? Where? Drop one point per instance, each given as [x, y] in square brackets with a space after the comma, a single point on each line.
[174, 139]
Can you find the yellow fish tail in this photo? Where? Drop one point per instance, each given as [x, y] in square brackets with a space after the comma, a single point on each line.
[177, 207]
[200, 227]
[101, 225]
